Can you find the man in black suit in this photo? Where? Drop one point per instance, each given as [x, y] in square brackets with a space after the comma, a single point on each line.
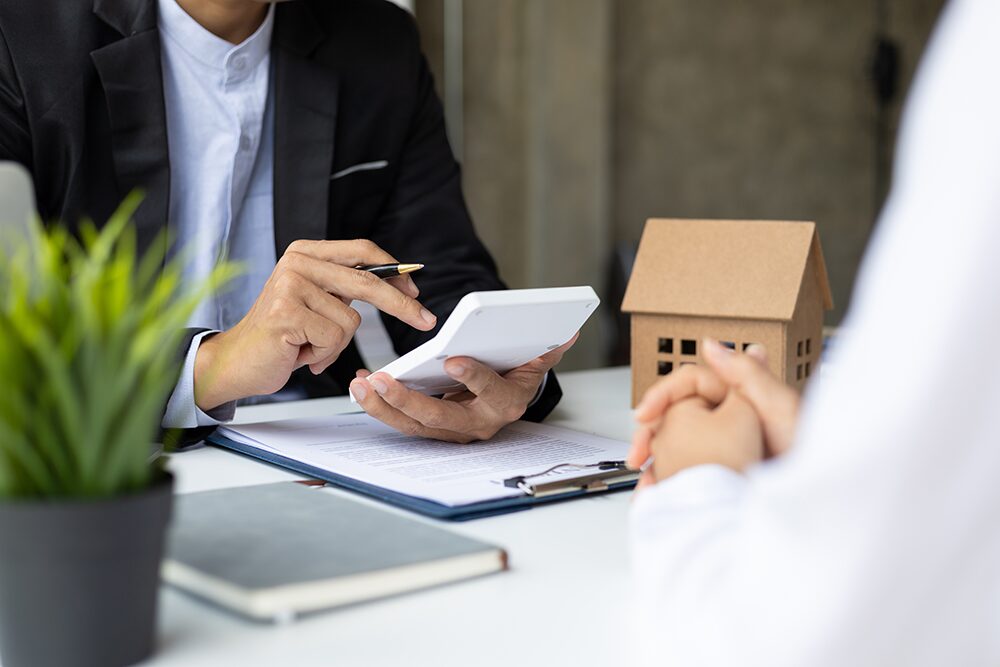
[359, 152]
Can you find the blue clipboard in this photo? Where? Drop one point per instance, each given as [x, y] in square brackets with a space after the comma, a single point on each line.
[412, 503]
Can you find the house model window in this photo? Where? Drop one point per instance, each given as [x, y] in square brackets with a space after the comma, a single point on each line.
[740, 282]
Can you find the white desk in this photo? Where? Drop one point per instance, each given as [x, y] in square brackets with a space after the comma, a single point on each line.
[563, 601]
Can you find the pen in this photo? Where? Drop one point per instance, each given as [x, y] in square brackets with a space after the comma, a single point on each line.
[384, 271]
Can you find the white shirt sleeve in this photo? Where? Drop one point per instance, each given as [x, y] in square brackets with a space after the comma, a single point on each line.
[875, 541]
[182, 412]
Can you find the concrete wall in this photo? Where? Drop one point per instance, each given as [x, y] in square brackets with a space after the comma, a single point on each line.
[582, 118]
[754, 110]
[535, 143]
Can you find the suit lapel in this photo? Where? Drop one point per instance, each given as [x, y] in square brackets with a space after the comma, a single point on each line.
[304, 126]
[129, 71]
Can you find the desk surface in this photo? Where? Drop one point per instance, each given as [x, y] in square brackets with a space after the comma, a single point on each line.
[562, 602]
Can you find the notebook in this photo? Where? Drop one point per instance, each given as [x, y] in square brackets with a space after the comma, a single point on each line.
[523, 465]
[273, 551]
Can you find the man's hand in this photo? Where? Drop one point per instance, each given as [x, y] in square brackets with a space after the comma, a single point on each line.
[775, 403]
[694, 432]
[301, 318]
[490, 402]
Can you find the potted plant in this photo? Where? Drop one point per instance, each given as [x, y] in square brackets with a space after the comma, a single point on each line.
[89, 337]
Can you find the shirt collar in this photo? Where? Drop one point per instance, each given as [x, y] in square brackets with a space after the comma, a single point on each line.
[209, 49]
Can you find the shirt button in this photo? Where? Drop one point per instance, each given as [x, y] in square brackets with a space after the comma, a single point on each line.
[245, 143]
[239, 63]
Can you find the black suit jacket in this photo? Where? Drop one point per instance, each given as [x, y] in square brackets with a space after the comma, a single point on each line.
[81, 105]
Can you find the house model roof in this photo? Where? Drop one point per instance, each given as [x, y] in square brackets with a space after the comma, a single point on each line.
[724, 268]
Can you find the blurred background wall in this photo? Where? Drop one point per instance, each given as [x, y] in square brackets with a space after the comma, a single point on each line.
[576, 120]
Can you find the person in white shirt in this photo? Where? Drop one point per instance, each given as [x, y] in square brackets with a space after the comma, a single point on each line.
[863, 529]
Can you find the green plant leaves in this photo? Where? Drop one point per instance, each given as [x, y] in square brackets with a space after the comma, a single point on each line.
[89, 353]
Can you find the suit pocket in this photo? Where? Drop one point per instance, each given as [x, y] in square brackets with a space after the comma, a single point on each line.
[357, 198]
[375, 165]
[362, 179]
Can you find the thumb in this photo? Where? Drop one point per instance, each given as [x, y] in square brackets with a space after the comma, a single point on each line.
[745, 372]
[775, 402]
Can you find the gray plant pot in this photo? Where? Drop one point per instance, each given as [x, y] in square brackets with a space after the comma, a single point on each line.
[79, 580]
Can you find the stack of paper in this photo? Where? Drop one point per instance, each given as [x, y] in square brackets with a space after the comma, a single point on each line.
[360, 448]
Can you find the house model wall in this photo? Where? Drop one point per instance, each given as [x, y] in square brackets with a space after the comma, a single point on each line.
[738, 281]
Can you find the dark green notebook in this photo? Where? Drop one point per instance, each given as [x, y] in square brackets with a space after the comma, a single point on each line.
[276, 550]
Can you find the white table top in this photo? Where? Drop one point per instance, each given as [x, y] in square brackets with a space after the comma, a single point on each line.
[563, 601]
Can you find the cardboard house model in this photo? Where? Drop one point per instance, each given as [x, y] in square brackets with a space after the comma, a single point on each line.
[738, 281]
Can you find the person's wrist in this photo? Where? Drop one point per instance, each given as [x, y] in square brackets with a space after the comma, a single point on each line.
[211, 381]
[665, 467]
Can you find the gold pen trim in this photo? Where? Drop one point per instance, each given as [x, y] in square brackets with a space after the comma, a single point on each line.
[409, 268]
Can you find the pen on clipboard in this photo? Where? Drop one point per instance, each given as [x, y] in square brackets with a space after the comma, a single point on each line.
[385, 271]
[604, 475]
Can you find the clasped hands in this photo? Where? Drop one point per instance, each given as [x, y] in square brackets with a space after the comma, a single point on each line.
[303, 317]
[729, 411]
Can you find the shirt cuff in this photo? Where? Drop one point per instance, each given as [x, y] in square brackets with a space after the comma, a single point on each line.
[182, 412]
[541, 389]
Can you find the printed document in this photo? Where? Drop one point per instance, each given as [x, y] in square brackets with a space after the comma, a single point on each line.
[362, 448]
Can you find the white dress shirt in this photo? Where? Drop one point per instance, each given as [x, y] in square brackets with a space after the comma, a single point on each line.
[220, 132]
[876, 540]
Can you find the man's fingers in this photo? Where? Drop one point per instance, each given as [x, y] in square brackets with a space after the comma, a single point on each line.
[330, 307]
[364, 286]
[405, 285]
[504, 398]
[316, 337]
[685, 382]
[361, 285]
[529, 376]
[378, 408]
[433, 412]
[342, 319]
[429, 411]
[358, 252]
[304, 327]
[478, 378]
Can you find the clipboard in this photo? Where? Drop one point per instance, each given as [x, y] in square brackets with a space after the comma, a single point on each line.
[536, 488]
